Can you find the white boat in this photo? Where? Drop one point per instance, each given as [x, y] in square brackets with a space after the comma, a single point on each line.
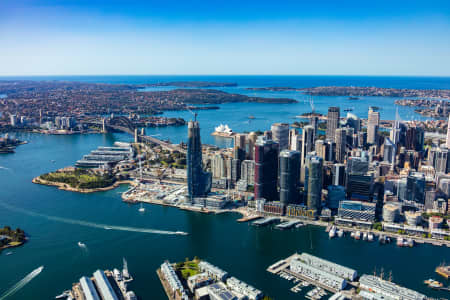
[352, 234]
[358, 235]
[400, 242]
[107, 228]
[332, 232]
[141, 209]
[340, 233]
[181, 232]
[82, 245]
[8, 253]
[370, 237]
[365, 236]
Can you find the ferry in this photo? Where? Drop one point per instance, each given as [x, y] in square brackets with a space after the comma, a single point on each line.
[181, 232]
[107, 228]
[223, 131]
[433, 283]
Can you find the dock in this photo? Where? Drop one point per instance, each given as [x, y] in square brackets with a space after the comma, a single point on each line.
[248, 219]
[266, 221]
[287, 225]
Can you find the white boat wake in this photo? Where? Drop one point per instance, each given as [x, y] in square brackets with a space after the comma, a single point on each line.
[91, 224]
[22, 283]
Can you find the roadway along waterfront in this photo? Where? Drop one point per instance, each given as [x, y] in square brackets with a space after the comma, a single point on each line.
[240, 248]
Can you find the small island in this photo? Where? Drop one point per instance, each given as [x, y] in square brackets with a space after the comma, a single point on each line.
[11, 238]
[80, 180]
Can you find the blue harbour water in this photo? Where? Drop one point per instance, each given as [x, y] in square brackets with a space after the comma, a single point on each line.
[241, 249]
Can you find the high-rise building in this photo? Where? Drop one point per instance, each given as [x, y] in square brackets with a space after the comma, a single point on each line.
[199, 181]
[330, 150]
[359, 187]
[373, 124]
[307, 141]
[266, 169]
[415, 187]
[289, 176]
[280, 134]
[336, 194]
[447, 144]
[362, 139]
[251, 140]
[389, 151]
[338, 171]
[341, 143]
[415, 137]
[314, 122]
[354, 122]
[248, 171]
[314, 196]
[218, 166]
[332, 122]
[239, 146]
[13, 120]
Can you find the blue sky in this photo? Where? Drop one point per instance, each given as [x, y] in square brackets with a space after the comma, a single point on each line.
[225, 37]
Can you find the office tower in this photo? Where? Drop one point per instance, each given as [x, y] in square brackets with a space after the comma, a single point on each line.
[414, 139]
[314, 196]
[268, 134]
[359, 187]
[389, 151]
[199, 181]
[307, 141]
[332, 121]
[239, 146]
[441, 161]
[338, 171]
[349, 136]
[354, 122]
[235, 170]
[314, 122]
[13, 120]
[330, 148]
[336, 194]
[362, 139]
[415, 187]
[280, 134]
[251, 140]
[248, 171]
[218, 166]
[341, 143]
[447, 144]
[373, 122]
[321, 148]
[289, 176]
[266, 169]
[296, 143]
[293, 133]
[396, 130]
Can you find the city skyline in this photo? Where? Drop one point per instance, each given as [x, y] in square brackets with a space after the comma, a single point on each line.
[290, 38]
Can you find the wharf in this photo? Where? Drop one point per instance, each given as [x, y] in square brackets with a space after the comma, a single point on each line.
[266, 221]
[248, 219]
[165, 285]
[287, 225]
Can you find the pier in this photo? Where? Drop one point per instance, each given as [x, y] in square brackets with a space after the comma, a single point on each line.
[266, 221]
[287, 225]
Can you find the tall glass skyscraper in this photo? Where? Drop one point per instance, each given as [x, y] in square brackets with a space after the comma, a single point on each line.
[199, 181]
[314, 200]
[289, 176]
[334, 114]
[266, 169]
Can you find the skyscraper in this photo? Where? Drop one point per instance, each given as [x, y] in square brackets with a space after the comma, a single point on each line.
[289, 176]
[447, 144]
[314, 122]
[314, 198]
[332, 121]
[239, 147]
[373, 122]
[307, 141]
[266, 169]
[199, 181]
[251, 140]
[341, 143]
[280, 134]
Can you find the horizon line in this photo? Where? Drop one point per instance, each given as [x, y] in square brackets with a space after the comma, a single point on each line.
[225, 75]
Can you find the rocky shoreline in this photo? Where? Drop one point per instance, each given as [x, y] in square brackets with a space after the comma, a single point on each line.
[66, 187]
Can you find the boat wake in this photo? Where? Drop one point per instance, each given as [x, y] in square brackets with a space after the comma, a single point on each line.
[91, 224]
[22, 283]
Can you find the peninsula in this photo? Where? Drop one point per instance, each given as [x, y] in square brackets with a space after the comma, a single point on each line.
[355, 91]
[193, 84]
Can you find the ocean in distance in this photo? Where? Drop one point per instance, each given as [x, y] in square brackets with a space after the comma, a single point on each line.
[242, 250]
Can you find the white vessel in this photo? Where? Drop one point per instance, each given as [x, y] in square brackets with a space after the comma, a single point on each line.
[365, 236]
[352, 234]
[107, 228]
[8, 253]
[141, 209]
[82, 245]
[181, 233]
[332, 232]
[370, 237]
[358, 235]
[340, 233]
